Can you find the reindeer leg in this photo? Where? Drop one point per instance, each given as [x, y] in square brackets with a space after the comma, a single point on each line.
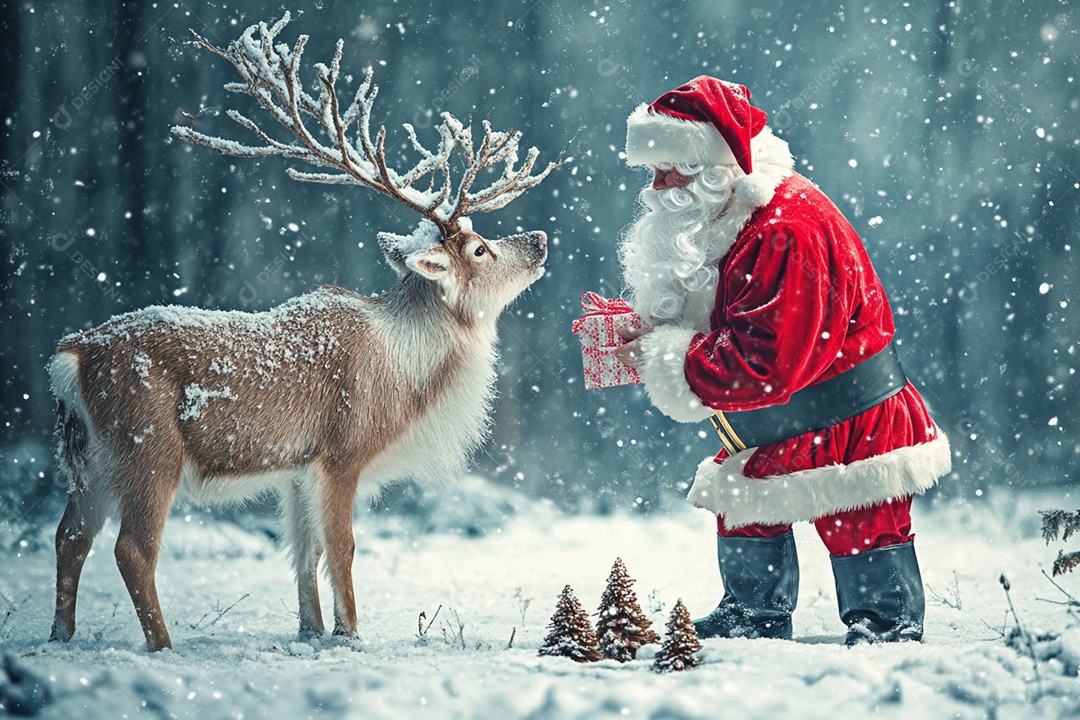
[301, 526]
[337, 483]
[311, 619]
[83, 519]
[142, 519]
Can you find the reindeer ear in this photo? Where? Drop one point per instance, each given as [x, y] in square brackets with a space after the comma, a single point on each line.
[433, 263]
[391, 248]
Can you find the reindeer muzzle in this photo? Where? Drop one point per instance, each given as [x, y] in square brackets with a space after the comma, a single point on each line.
[536, 245]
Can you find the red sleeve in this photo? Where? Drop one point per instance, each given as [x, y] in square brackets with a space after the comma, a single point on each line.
[782, 323]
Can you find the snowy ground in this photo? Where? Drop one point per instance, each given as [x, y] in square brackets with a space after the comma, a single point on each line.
[249, 664]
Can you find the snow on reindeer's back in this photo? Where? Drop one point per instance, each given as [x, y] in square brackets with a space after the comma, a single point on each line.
[263, 339]
[146, 321]
[132, 324]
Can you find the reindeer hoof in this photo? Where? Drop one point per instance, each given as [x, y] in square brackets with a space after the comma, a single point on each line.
[343, 630]
[60, 634]
[351, 642]
[348, 638]
[158, 644]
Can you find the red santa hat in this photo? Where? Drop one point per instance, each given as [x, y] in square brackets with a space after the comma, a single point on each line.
[704, 122]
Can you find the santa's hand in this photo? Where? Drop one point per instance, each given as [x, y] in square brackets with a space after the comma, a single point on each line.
[630, 353]
[633, 333]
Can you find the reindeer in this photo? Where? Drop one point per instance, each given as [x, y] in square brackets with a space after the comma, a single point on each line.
[317, 399]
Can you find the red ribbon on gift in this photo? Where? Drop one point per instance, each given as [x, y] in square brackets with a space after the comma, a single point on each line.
[594, 304]
[599, 339]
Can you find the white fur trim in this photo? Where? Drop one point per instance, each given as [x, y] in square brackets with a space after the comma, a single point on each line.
[663, 357]
[653, 138]
[810, 494]
[772, 164]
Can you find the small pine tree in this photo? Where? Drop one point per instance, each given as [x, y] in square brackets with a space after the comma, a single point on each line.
[622, 627]
[1066, 523]
[680, 642]
[570, 632]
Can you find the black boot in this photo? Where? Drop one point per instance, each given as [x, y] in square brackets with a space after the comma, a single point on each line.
[761, 587]
[880, 594]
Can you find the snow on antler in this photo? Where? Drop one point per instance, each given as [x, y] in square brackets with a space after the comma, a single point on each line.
[270, 73]
[497, 147]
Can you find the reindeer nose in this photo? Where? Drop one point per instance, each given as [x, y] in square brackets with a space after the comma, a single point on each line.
[542, 237]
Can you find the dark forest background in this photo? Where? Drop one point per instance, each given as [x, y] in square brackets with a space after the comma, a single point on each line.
[945, 131]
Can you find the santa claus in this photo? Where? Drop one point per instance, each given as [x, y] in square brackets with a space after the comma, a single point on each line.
[763, 314]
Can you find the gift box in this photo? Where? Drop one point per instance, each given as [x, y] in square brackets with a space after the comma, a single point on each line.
[599, 340]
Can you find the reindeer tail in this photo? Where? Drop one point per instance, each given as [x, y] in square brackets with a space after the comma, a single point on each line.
[71, 437]
[71, 432]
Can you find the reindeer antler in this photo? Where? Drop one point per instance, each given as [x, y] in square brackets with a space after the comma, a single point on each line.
[270, 73]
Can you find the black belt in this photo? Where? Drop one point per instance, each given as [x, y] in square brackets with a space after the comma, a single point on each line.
[817, 407]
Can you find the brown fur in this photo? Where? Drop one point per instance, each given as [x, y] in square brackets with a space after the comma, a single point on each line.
[310, 385]
[317, 396]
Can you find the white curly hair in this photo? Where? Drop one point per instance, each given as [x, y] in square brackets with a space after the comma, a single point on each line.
[672, 248]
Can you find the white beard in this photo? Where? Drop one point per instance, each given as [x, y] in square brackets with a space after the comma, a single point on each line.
[671, 252]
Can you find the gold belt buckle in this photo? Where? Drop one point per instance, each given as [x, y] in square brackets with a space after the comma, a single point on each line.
[723, 428]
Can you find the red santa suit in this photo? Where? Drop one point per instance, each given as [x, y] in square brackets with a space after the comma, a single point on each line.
[797, 302]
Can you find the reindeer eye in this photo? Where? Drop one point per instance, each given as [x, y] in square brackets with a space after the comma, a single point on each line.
[479, 251]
